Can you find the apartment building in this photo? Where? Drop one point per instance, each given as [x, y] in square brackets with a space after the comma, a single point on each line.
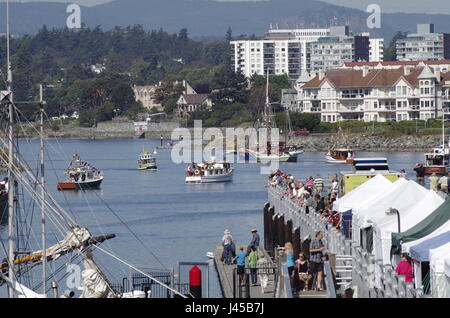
[424, 45]
[376, 49]
[368, 94]
[293, 52]
[276, 57]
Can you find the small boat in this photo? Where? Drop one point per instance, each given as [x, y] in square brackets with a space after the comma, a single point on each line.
[81, 176]
[209, 172]
[146, 161]
[340, 156]
[284, 154]
[437, 161]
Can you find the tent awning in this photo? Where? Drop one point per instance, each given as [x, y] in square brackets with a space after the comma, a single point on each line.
[421, 252]
[427, 226]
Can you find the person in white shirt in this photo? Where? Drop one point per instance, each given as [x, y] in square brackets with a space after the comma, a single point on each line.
[443, 183]
[227, 241]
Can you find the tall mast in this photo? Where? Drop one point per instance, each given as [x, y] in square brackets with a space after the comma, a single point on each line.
[11, 274]
[42, 154]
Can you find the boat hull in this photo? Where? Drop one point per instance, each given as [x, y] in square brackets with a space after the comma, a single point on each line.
[439, 170]
[84, 185]
[210, 179]
[151, 166]
[266, 159]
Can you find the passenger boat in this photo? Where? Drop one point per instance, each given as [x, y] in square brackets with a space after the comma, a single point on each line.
[81, 176]
[340, 156]
[209, 172]
[146, 161]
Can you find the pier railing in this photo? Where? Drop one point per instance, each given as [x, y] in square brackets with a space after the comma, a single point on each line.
[369, 278]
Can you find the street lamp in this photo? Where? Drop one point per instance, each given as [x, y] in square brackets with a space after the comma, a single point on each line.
[392, 211]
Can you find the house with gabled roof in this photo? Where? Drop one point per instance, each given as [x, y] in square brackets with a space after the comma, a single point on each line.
[189, 103]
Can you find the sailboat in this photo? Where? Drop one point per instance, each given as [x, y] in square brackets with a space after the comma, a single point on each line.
[340, 155]
[74, 239]
[268, 155]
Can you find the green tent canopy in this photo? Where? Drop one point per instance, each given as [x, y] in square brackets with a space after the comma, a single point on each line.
[427, 226]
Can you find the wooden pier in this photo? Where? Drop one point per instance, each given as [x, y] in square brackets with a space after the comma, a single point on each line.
[225, 273]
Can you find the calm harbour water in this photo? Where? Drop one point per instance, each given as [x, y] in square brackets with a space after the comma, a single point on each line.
[176, 221]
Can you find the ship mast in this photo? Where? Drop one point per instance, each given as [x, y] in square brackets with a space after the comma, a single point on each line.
[11, 257]
[42, 154]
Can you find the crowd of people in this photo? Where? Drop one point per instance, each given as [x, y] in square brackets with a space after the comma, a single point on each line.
[310, 194]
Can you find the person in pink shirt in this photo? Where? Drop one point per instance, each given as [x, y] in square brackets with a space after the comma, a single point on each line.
[405, 267]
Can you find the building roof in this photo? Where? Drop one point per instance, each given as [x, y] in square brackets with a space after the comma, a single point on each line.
[195, 98]
[396, 63]
[374, 78]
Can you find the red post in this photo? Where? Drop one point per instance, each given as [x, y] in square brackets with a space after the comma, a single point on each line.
[195, 282]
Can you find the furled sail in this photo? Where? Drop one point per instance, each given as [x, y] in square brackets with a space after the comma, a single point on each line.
[94, 283]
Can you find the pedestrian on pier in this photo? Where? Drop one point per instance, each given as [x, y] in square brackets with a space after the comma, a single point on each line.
[240, 261]
[254, 242]
[434, 181]
[262, 266]
[318, 184]
[420, 173]
[252, 263]
[227, 242]
[443, 184]
[302, 270]
[405, 268]
[316, 249]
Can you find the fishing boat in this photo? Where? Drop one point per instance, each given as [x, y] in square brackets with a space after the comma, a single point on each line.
[146, 161]
[340, 156]
[81, 176]
[209, 172]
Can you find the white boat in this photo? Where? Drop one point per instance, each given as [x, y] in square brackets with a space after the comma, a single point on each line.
[209, 172]
[340, 156]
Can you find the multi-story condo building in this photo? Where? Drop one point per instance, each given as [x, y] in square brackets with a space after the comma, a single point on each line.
[261, 56]
[376, 49]
[424, 45]
[332, 51]
[293, 52]
[404, 93]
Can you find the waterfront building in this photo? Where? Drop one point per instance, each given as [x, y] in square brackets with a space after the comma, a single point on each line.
[289, 99]
[424, 45]
[368, 94]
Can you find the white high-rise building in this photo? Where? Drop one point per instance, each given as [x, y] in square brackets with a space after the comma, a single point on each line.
[376, 50]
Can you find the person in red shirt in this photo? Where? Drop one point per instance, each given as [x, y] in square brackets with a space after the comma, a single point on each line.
[405, 267]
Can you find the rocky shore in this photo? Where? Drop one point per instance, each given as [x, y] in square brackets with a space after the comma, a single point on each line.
[407, 143]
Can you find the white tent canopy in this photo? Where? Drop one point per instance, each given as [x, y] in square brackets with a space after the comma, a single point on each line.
[402, 196]
[368, 190]
[384, 225]
[439, 281]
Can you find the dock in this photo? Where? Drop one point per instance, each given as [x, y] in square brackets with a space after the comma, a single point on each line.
[225, 274]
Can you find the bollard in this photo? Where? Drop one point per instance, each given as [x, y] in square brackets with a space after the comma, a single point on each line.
[296, 241]
[280, 229]
[55, 289]
[195, 282]
[266, 226]
[288, 232]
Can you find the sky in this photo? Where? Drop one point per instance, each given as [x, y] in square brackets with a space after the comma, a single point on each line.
[388, 6]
